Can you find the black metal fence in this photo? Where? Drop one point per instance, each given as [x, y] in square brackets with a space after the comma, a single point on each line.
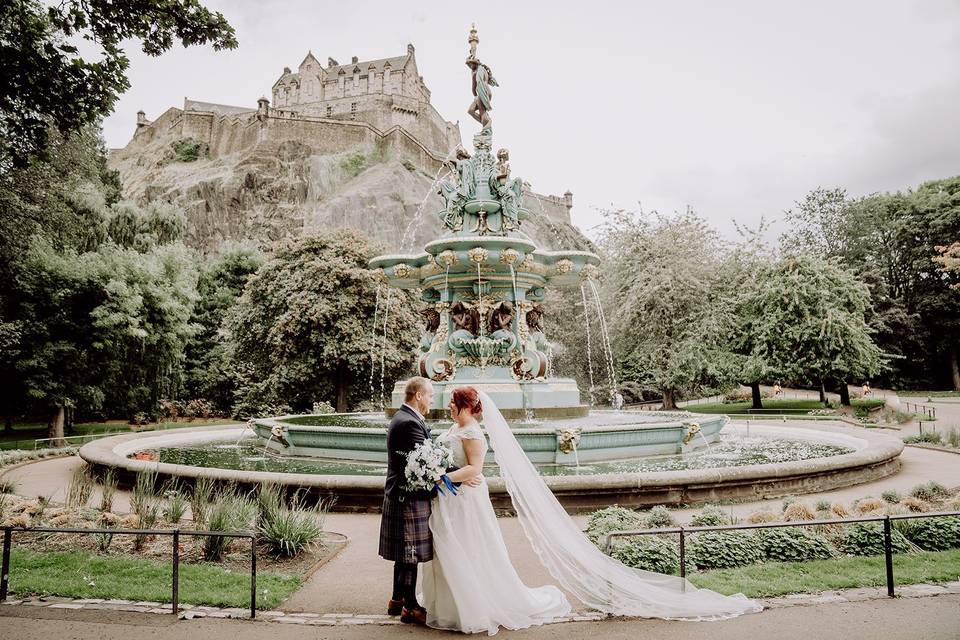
[175, 533]
[886, 520]
[929, 412]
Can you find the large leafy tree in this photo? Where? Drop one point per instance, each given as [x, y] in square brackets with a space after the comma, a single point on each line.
[806, 318]
[670, 309]
[890, 242]
[45, 83]
[301, 331]
[221, 282]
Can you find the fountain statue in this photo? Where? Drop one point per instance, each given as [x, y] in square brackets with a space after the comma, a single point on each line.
[484, 280]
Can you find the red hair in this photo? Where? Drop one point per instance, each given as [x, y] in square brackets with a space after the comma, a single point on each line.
[467, 398]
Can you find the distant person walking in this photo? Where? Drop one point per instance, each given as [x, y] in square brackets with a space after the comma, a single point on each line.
[777, 391]
[866, 389]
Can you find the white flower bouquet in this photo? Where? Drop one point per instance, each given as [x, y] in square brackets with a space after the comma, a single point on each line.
[426, 464]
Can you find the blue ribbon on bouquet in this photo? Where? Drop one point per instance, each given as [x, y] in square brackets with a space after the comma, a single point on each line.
[445, 482]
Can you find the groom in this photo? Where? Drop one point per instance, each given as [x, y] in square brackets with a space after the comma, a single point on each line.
[404, 526]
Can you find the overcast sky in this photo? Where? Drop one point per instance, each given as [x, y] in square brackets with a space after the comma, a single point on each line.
[736, 109]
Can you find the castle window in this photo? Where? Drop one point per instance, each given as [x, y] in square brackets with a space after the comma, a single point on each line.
[329, 111]
[353, 110]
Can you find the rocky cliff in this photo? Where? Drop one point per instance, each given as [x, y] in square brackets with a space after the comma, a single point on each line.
[275, 189]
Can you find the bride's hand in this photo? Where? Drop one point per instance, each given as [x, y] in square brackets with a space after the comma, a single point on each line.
[474, 481]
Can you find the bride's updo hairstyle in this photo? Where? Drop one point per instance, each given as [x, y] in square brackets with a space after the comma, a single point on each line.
[467, 398]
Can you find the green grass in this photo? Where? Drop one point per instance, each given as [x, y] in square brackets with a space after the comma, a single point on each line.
[83, 574]
[772, 407]
[779, 578]
[24, 434]
[929, 394]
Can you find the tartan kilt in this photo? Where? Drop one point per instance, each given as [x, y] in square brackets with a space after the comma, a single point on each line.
[405, 530]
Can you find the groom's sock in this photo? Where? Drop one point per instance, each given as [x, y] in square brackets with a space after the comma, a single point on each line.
[409, 580]
[398, 582]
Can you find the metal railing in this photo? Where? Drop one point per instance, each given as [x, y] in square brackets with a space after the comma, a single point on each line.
[930, 412]
[175, 533]
[683, 531]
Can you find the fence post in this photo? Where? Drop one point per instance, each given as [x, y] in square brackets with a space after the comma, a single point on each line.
[176, 571]
[253, 577]
[683, 559]
[5, 569]
[888, 554]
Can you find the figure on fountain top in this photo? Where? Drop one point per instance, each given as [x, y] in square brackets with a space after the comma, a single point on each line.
[479, 186]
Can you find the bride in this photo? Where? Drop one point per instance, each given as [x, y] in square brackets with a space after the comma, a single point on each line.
[472, 586]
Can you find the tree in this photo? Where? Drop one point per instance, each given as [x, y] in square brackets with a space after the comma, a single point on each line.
[301, 331]
[807, 320]
[221, 282]
[670, 309]
[45, 83]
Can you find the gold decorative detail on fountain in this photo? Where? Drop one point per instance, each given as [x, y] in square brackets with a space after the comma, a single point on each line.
[446, 258]
[589, 272]
[527, 264]
[402, 270]
[478, 254]
[692, 430]
[564, 266]
[509, 256]
[568, 439]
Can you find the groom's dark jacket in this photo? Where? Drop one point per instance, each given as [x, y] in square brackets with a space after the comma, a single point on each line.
[405, 432]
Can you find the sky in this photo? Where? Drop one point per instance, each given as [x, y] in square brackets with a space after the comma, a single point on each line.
[736, 109]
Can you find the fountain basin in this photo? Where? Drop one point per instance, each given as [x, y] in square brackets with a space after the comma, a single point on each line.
[873, 456]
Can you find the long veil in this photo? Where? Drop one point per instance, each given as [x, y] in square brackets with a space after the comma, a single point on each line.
[597, 580]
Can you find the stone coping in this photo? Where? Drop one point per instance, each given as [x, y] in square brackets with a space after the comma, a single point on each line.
[875, 455]
[190, 612]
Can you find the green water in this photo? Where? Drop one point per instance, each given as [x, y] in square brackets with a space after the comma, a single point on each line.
[732, 451]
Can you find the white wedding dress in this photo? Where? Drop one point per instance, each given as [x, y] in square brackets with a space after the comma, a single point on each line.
[471, 585]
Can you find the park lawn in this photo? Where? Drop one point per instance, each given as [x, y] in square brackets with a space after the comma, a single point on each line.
[929, 394]
[772, 406]
[84, 574]
[778, 578]
[24, 434]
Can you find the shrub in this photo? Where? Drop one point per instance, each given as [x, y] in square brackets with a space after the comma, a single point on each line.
[139, 419]
[823, 505]
[650, 553]
[200, 496]
[199, 408]
[287, 532]
[793, 544]
[145, 505]
[723, 549]
[80, 487]
[230, 511]
[789, 500]
[953, 438]
[610, 519]
[870, 505]
[891, 496]
[188, 150]
[915, 504]
[176, 505]
[929, 491]
[839, 510]
[866, 539]
[8, 486]
[935, 534]
[659, 517]
[107, 490]
[931, 437]
[709, 516]
[409, 166]
[760, 517]
[798, 511]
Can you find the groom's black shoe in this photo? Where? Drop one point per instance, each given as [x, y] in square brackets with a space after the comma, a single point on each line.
[395, 607]
[417, 615]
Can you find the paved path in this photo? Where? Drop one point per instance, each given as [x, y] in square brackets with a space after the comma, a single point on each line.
[929, 618]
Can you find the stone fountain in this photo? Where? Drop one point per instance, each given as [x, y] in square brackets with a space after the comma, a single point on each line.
[484, 281]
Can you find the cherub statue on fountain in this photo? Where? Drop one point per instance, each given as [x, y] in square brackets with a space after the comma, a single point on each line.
[458, 190]
[510, 192]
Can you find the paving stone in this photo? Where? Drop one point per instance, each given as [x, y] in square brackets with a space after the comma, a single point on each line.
[116, 601]
[308, 615]
[36, 603]
[272, 612]
[12, 602]
[291, 620]
[89, 601]
[317, 622]
[217, 614]
[829, 598]
[374, 616]
[356, 621]
[146, 604]
[338, 615]
[66, 605]
[132, 609]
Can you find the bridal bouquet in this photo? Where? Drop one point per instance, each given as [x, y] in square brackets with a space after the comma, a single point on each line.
[426, 465]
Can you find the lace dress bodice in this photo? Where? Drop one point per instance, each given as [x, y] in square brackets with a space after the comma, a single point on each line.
[454, 438]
